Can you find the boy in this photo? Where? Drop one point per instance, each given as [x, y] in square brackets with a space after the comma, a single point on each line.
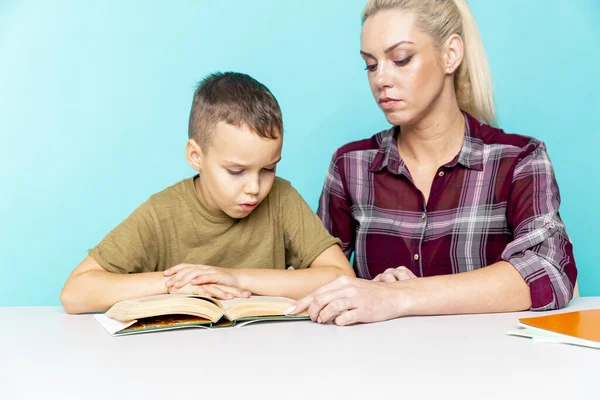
[230, 231]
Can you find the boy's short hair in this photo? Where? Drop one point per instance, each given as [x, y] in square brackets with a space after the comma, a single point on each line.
[236, 99]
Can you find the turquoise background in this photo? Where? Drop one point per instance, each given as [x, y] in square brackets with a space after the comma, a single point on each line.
[95, 95]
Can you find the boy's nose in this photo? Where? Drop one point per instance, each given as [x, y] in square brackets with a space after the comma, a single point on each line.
[252, 186]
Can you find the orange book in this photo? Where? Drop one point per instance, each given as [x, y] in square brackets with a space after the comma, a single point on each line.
[577, 327]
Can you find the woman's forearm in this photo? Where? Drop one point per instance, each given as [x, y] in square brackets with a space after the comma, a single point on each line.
[496, 288]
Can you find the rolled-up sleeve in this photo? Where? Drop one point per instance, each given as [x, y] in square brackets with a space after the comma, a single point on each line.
[541, 250]
[334, 209]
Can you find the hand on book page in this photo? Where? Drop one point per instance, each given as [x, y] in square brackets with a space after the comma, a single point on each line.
[211, 290]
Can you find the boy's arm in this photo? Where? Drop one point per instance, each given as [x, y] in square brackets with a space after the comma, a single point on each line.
[294, 284]
[91, 288]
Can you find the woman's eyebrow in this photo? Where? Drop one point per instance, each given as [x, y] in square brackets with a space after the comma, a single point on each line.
[392, 47]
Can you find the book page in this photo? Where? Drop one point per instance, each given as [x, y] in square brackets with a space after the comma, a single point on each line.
[256, 306]
[151, 306]
[252, 299]
[112, 326]
[541, 335]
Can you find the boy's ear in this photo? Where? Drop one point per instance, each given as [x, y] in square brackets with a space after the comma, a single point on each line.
[194, 155]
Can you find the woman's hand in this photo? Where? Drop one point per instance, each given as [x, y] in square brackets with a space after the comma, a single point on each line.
[395, 274]
[347, 301]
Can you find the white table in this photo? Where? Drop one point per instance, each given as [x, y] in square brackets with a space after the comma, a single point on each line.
[45, 353]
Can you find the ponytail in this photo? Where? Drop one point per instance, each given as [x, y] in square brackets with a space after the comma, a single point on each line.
[473, 80]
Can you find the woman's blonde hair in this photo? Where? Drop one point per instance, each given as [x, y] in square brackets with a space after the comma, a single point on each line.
[441, 19]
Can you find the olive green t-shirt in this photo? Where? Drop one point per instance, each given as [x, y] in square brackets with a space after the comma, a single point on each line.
[174, 227]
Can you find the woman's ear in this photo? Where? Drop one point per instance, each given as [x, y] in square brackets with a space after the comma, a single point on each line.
[194, 155]
[453, 54]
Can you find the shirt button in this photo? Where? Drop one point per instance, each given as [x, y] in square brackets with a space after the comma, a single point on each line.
[416, 257]
[423, 215]
[441, 173]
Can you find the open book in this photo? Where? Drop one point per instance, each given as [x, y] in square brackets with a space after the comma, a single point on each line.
[581, 328]
[173, 311]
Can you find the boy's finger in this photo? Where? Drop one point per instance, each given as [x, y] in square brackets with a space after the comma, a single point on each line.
[186, 278]
[237, 292]
[208, 278]
[215, 291]
[174, 270]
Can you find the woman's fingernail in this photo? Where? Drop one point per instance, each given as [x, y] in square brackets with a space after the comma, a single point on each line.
[289, 310]
[319, 320]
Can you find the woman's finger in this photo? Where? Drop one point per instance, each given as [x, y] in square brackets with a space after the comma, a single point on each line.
[388, 277]
[324, 299]
[305, 302]
[403, 273]
[334, 309]
[348, 318]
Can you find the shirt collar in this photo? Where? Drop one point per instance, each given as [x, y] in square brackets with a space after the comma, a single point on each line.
[470, 155]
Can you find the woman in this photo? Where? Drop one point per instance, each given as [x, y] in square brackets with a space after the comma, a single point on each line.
[448, 214]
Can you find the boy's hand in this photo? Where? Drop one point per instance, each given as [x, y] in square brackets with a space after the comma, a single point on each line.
[217, 291]
[183, 274]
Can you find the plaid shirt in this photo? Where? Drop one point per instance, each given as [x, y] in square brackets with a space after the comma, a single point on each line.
[497, 200]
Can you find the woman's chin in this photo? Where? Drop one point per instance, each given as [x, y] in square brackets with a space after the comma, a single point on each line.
[399, 117]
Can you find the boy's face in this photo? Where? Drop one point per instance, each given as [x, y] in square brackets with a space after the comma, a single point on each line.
[238, 169]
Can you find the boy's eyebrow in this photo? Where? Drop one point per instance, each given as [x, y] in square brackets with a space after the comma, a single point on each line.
[237, 164]
[392, 47]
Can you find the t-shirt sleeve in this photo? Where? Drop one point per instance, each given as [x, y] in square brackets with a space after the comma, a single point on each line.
[132, 246]
[305, 236]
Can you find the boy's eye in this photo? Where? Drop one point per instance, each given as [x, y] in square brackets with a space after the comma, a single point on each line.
[234, 173]
[269, 169]
[371, 67]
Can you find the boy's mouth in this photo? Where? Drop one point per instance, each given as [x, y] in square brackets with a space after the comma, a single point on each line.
[248, 206]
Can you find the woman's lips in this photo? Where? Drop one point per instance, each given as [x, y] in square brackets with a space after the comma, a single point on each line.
[388, 103]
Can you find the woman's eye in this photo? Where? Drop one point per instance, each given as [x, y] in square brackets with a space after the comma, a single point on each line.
[403, 62]
[234, 173]
[371, 67]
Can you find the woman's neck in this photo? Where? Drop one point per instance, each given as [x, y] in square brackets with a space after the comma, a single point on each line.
[435, 139]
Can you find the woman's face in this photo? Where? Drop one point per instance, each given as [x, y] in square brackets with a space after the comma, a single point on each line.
[405, 70]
